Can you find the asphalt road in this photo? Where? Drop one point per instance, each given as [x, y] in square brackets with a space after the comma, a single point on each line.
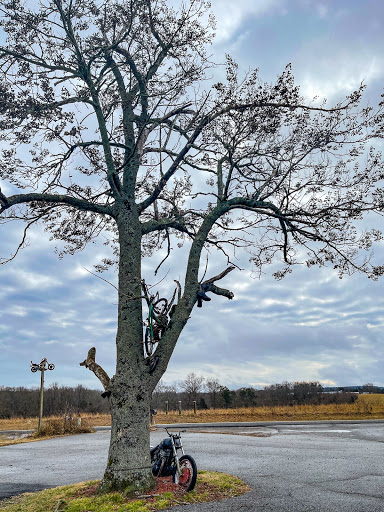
[322, 467]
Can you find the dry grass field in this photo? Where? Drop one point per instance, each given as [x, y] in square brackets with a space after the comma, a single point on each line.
[365, 407]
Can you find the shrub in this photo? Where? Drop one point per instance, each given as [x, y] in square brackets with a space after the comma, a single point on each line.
[64, 425]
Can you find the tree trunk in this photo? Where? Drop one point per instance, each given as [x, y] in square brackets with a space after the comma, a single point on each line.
[129, 463]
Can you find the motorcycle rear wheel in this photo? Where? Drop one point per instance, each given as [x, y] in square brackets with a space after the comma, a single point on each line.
[188, 476]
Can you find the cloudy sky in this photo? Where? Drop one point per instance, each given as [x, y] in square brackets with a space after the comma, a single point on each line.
[310, 326]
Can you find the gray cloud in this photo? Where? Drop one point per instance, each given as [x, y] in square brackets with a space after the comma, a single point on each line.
[309, 326]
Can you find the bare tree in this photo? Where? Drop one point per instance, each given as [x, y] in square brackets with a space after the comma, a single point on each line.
[191, 386]
[214, 388]
[105, 127]
[165, 393]
[369, 388]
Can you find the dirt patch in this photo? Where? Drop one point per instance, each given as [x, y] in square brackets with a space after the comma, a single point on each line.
[87, 492]
[163, 484]
[205, 490]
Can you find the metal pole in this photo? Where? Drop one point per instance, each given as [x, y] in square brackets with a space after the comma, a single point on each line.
[179, 406]
[166, 407]
[41, 400]
[194, 406]
[42, 366]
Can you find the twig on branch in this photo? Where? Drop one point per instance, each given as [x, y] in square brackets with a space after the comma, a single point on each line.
[168, 251]
[178, 290]
[91, 364]
[156, 284]
[105, 280]
[172, 306]
[23, 242]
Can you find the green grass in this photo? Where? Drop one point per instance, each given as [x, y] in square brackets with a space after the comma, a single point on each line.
[83, 497]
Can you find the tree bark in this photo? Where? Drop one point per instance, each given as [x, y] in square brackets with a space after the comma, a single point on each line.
[129, 463]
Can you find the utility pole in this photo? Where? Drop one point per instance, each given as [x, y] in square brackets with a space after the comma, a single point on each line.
[41, 367]
[41, 400]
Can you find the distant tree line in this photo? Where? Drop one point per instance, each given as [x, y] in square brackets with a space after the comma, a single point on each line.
[210, 394]
[206, 393]
[366, 388]
[58, 400]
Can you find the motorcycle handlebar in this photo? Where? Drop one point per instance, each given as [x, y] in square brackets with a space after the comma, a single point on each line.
[173, 433]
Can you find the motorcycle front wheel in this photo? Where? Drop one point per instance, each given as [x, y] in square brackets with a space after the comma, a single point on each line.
[188, 476]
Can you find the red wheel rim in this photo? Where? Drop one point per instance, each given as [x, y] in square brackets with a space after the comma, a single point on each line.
[185, 476]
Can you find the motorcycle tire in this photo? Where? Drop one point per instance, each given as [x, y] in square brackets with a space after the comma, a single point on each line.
[187, 479]
[33, 369]
[51, 366]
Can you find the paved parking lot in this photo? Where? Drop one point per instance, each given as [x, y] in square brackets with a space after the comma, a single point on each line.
[322, 467]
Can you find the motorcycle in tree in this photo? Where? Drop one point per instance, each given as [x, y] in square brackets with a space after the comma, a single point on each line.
[165, 461]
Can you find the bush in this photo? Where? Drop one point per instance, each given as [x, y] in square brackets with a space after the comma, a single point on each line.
[65, 425]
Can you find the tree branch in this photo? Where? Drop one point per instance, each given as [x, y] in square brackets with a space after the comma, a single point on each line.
[165, 223]
[168, 251]
[3, 202]
[208, 119]
[91, 364]
[208, 285]
[36, 61]
[219, 276]
[80, 204]
[23, 242]
[127, 122]
[112, 176]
